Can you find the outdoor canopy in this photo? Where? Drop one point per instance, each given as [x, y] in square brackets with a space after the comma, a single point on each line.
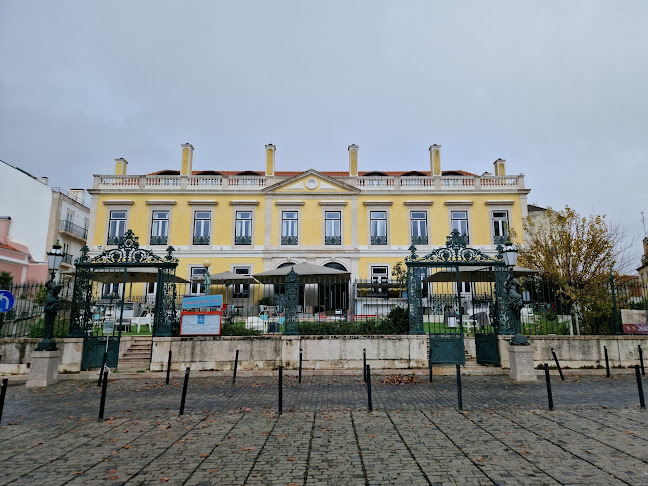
[225, 278]
[466, 273]
[303, 270]
[116, 275]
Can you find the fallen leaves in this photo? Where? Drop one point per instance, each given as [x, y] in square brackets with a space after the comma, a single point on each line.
[400, 380]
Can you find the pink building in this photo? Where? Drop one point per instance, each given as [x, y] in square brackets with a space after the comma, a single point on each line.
[16, 259]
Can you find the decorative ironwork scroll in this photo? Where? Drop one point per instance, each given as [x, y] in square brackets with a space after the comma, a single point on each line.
[127, 253]
[414, 300]
[81, 311]
[165, 315]
[456, 251]
[291, 325]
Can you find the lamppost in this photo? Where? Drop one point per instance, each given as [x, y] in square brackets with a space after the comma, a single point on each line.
[207, 264]
[515, 302]
[54, 259]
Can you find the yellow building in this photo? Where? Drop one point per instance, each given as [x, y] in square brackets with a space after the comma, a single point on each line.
[250, 221]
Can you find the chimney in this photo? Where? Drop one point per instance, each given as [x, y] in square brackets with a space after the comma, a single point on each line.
[500, 167]
[45, 180]
[5, 222]
[187, 159]
[270, 159]
[120, 166]
[435, 160]
[353, 160]
[78, 194]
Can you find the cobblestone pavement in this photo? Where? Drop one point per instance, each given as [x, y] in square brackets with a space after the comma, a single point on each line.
[232, 434]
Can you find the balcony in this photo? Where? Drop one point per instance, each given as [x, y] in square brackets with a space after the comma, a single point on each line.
[115, 240]
[159, 240]
[216, 183]
[378, 240]
[73, 230]
[289, 240]
[332, 240]
[201, 240]
[67, 258]
[419, 240]
[242, 240]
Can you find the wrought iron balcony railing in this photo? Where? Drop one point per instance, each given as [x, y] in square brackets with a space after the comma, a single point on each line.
[115, 240]
[201, 240]
[242, 240]
[67, 258]
[73, 229]
[332, 240]
[159, 240]
[419, 240]
[378, 240]
[288, 240]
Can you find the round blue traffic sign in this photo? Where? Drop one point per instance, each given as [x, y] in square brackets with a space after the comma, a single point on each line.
[6, 300]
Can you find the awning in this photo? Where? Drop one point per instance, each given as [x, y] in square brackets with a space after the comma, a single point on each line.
[304, 271]
[143, 275]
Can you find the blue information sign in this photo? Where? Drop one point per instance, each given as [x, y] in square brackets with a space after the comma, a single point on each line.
[202, 301]
[6, 300]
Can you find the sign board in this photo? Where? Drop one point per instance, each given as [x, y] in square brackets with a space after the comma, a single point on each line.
[202, 301]
[634, 321]
[108, 327]
[6, 300]
[200, 323]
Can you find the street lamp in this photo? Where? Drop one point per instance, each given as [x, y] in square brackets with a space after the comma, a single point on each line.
[515, 303]
[207, 264]
[54, 259]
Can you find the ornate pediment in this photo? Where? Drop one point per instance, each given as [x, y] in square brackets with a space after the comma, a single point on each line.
[311, 182]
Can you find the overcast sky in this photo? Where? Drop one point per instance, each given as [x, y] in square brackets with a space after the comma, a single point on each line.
[558, 89]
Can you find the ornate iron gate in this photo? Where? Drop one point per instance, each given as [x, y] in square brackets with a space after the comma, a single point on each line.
[113, 266]
[455, 288]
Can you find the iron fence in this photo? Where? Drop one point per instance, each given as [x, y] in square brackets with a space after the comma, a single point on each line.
[26, 319]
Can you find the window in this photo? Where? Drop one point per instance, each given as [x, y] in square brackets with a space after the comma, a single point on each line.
[197, 275]
[332, 228]
[500, 226]
[378, 227]
[243, 234]
[289, 228]
[379, 275]
[67, 257]
[116, 227]
[160, 228]
[202, 221]
[241, 290]
[418, 221]
[110, 290]
[460, 222]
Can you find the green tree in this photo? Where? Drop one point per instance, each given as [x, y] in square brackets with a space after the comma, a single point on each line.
[576, 255]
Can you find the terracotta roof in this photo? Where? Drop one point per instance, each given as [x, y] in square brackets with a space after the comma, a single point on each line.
[533, 208]
[292, 173]
[9, 247]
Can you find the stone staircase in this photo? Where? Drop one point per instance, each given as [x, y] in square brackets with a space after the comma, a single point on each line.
[138, 356]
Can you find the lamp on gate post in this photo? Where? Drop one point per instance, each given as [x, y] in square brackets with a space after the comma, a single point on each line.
[54, 259]
[207, 264]
[512, 286]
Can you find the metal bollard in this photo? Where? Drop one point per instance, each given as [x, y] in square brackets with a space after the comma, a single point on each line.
[364, 365]
[184, 391]
[369, 398]
[562, 377]
[102, 404]
[607, 362]
[103, 367]
[459, 395]
[168, 368]
[548, 380]
[643, 371]
[430, 366]
[3, 394]
[280, 389]
[642, 402]
[235, 367]
[300, 364]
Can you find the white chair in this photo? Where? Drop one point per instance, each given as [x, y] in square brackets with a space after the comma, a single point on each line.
[146, 319]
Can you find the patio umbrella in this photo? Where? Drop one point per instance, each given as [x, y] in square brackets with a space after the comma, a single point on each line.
[303, 270]
[225, 278]
[468, 273]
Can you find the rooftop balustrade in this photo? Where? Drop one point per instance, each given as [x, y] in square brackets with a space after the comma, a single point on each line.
[487, 183]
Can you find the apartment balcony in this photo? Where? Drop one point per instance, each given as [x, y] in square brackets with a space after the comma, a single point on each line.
[67, 259]
[378, 240]
[242, 240]
[201, 240]
[115, 240]
[73, 230]
[159, 240]
[289, 240]
[216, 183]
[419, 240]
[332, 240]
